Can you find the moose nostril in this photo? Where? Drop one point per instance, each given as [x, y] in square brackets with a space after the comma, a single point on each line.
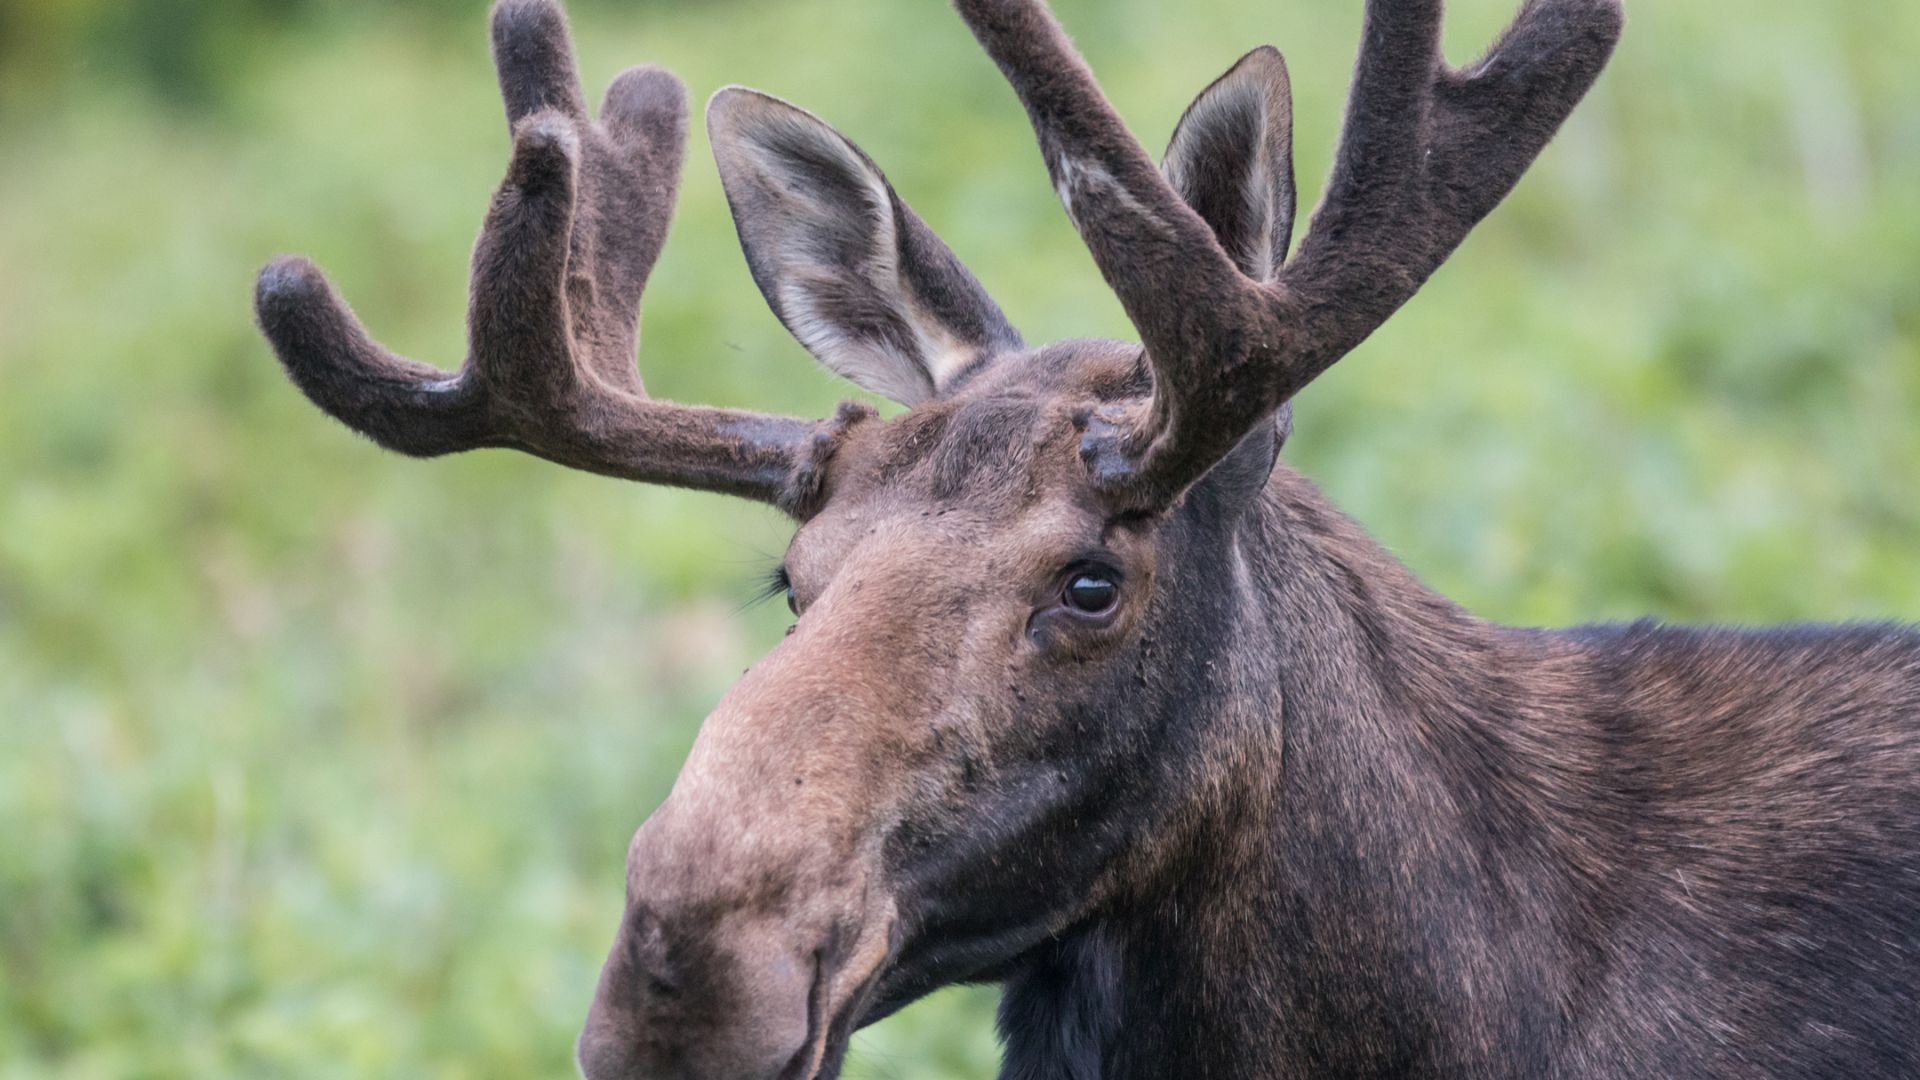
[649, 955]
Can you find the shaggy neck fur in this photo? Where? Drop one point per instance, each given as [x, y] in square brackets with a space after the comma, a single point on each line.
[1415, 843]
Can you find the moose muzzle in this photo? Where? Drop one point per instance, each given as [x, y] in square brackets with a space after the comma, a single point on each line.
[757, 920]
[702, 995]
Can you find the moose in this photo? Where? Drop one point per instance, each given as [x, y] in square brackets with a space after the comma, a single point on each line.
[1088, 694]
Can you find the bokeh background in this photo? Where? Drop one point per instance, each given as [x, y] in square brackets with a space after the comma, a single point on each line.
[318, 762]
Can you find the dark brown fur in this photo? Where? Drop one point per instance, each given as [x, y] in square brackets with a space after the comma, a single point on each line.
[565, 253]
[1280, 811]
[1426, 153]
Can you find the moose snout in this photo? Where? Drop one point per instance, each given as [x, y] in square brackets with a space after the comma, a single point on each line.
[759, 910]
[695, 996]
[737, 958]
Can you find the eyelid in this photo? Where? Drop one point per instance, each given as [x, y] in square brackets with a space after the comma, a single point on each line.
[1099, 563]
[787, 588]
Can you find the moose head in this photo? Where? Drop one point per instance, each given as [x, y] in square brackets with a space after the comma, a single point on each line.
[1032, 669]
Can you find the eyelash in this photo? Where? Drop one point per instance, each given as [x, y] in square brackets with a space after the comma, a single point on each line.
[773, 584]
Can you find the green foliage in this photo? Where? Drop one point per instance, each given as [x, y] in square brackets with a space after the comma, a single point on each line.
[319, 762]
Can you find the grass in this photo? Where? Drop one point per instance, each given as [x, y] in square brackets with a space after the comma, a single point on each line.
[318, 762]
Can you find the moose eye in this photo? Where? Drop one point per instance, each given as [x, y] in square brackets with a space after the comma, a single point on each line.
[1091, 593]
[793, 602]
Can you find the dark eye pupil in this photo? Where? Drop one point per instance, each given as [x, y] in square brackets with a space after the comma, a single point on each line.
[793, 602]
[1091, 594]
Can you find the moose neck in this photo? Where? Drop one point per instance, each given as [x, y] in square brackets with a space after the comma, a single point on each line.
[1373, 864]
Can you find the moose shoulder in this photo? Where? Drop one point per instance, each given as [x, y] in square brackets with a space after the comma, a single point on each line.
[1088, 695]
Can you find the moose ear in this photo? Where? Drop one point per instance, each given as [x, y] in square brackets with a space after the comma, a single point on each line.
[854, 274]
[1231, 159]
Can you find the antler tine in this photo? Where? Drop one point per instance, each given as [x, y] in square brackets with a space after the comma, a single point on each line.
[1144, 238]
[1425, 154]
[558, 271]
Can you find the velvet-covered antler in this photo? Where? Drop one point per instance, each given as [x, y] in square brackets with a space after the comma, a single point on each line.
[557, 276]
[1426, 152]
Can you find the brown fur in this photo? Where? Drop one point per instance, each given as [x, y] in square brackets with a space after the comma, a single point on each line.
[1426, 153]
[565, 253]
[1281, 811]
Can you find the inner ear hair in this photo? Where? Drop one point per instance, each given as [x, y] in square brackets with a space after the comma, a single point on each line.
[1231, 160]
[846, 265]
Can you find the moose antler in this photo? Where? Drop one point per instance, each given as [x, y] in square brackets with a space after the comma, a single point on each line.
[1427, 151]
[558, 272]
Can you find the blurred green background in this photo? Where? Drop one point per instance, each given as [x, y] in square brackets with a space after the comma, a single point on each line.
[319, 762]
